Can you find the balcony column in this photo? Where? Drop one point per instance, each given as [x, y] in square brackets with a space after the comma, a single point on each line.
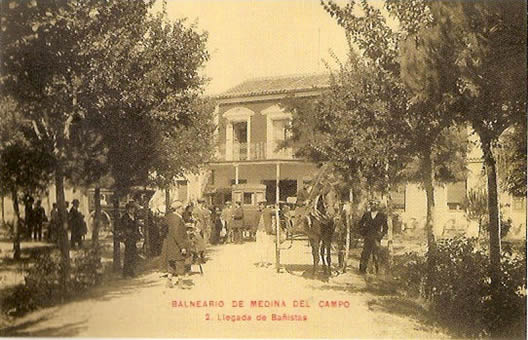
[248, 138]
[236, 173]
[277, 181]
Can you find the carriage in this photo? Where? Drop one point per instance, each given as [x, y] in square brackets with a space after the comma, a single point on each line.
[249, 195]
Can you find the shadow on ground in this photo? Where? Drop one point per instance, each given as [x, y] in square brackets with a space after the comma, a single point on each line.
[65, 330]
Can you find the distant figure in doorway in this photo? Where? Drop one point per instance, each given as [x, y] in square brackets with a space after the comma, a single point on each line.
[372, 226]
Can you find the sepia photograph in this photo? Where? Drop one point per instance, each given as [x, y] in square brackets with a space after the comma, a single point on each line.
[352, 169]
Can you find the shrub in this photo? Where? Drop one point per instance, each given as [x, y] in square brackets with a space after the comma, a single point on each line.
[86, 269]
[42, 280]
[457, 285]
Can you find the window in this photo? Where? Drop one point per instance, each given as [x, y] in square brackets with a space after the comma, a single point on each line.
[456, 195]
[240, 140]
[248, 198]
[240, 132]
[280, 131]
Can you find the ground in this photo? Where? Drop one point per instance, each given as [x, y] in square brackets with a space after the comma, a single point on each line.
[143, 306]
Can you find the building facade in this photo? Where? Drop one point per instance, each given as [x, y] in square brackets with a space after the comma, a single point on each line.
[252, 124]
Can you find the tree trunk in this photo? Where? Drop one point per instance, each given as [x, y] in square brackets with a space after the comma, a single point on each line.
[147, 224]
[16, 226]
[390, 228]
[428, 175]
[494, 219]
[3, 211]
[97, 217]
[117, 251]
[167, 200]
[62, 229]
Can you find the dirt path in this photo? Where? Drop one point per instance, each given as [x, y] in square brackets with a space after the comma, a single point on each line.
[143, 307]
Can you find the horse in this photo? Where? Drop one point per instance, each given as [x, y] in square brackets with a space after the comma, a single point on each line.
[317, 222]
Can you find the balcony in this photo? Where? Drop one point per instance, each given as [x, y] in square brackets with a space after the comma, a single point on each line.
[257, 151]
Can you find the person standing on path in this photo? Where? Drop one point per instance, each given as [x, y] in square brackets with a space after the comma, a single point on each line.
[177, 244]
[39, 219]
[238, 223]
[216, 226]
[76, 224]
[202, 216]
[264, 237]
[372, 226]
[130, 235]
[53, 225]
[227, 218]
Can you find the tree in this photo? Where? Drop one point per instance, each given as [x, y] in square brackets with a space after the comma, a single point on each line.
[483, 44]
[412, 122]
[25, 166]
[50, 54]
[153, 107]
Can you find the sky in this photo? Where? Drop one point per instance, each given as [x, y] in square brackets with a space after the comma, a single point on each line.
[261, 38]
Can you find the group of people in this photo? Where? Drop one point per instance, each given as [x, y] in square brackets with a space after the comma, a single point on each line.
[36, 219]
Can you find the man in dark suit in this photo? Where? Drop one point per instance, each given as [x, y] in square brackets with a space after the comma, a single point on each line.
[177, 244]
[29, 215]
[76, 224]
[372, 226]
[130, 235]
[39, 219]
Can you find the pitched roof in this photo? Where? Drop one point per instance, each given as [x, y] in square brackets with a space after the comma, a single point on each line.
[277, 85]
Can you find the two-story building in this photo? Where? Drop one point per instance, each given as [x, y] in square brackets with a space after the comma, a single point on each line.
[251, 126]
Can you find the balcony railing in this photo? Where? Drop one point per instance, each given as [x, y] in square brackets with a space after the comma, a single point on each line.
[257, 151]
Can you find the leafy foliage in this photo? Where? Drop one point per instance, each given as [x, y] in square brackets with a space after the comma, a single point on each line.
[460, 289]
[511, 158]
[42, 281]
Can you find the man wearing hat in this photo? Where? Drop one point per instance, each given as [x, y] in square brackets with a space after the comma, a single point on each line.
[304, 192]
[372, 226]
[129, 236]
[77, 224]
[176, 245]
